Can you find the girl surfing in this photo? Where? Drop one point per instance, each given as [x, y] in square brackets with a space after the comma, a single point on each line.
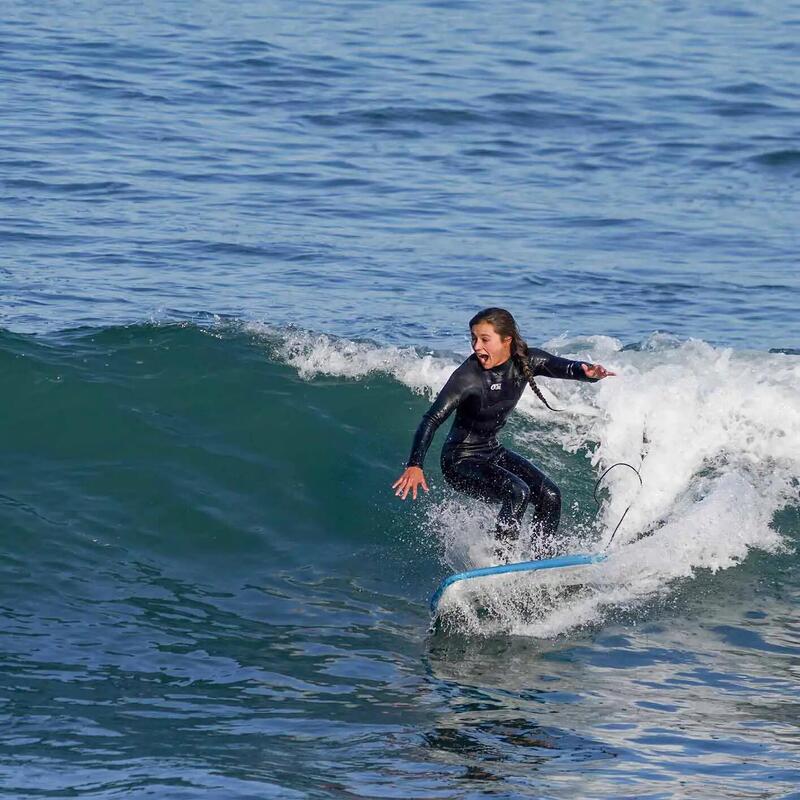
[483, 391]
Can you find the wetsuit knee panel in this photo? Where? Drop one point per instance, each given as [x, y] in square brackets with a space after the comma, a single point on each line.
[552, 493]
[519, 490]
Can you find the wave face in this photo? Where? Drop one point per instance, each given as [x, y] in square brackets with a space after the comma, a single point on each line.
[198, 531]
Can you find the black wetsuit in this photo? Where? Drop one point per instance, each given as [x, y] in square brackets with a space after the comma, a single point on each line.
[473, 461]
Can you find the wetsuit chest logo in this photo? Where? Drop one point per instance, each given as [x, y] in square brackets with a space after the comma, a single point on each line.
[495, 386]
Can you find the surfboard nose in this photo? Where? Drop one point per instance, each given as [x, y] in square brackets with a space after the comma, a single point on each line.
[559, 562]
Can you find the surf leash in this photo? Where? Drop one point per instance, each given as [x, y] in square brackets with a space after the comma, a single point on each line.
[597, 485]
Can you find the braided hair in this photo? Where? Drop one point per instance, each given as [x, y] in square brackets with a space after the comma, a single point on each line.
[505, 326]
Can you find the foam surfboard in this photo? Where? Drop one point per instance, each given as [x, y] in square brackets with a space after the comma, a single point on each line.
[561, 562]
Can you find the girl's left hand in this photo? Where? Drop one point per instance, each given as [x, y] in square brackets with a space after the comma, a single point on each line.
[596, 371]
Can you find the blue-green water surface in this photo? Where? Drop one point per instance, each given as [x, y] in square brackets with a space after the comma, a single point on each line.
[239, 245]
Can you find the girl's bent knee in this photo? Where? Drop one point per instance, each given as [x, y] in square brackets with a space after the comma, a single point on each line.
[551, 494]
[520, 493]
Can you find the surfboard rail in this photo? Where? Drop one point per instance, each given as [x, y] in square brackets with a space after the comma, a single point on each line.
[575, 560]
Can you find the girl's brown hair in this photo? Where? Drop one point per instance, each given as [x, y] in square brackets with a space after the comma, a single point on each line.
[505, 325]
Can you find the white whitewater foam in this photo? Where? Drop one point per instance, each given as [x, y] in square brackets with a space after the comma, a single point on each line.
[320, 354]
[714, 432]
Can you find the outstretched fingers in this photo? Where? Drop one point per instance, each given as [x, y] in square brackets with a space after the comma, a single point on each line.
[419, 482]
[409, 482]
[596, 371]
[402, 485]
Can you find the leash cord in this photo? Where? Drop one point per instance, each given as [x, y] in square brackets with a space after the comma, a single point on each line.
[597, 485]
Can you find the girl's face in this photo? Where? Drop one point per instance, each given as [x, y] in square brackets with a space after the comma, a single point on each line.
[488, 346]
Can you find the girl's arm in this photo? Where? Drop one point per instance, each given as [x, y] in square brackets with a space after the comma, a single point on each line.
[550, 366]
[447, 401]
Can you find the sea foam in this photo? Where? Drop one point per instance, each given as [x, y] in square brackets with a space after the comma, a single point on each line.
[714, 433]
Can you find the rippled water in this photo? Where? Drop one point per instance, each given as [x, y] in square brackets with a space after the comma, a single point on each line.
[381, 170]
[239, 245]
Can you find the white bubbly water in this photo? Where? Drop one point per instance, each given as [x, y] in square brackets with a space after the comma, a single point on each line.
[715, 434]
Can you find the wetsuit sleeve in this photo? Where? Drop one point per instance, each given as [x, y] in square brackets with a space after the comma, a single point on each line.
[453, 392]
[550, 366]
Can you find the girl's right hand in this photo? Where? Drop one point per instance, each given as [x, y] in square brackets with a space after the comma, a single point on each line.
[409, 481]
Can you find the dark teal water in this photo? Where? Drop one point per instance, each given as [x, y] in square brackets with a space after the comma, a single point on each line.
[239, 246]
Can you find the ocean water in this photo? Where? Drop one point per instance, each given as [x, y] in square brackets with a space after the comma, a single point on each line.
[239, 246]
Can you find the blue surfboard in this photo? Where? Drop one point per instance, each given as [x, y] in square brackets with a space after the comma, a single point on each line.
[578, 560]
